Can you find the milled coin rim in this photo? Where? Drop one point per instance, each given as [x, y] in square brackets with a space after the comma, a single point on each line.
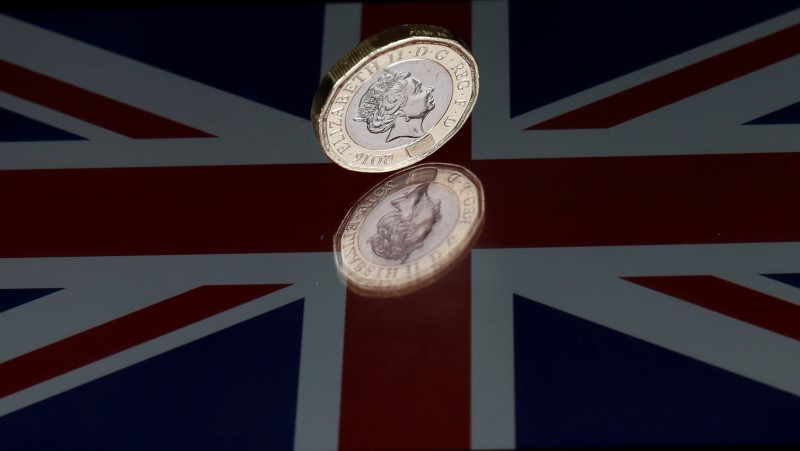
[367, 51]
[375, 287]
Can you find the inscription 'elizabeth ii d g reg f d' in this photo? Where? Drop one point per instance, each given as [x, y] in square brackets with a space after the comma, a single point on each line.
[395, 98]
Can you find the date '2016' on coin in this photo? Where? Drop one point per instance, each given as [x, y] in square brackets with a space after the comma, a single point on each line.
[395, 98]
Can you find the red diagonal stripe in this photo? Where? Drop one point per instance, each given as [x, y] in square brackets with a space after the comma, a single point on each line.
[89, 106]
[729, 299]
[123, 333]
[678, 85]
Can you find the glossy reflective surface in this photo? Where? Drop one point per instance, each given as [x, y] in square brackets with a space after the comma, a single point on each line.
[169, 278]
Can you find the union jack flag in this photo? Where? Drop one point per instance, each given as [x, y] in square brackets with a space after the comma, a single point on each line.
[166, 274]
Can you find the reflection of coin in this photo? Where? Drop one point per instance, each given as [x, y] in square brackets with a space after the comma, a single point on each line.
[409, 229]
[395, 98]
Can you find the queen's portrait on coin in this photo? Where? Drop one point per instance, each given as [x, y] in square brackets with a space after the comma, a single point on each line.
[403, 230]
[396, 103]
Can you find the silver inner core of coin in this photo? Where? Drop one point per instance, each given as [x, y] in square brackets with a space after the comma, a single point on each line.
[409, 224]
[399, 104]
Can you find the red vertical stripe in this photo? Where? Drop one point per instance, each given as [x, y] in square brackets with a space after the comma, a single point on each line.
[89, 106]
[406, 374]
[456, 16]
[123, 333]
[729, 299]
[406, 381]
[678, 85]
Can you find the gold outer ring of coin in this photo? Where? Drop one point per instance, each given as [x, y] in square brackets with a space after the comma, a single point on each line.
[409, 230]
[357, 117]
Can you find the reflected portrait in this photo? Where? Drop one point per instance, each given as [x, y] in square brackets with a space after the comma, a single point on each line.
[404, 230]
[409, 230]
